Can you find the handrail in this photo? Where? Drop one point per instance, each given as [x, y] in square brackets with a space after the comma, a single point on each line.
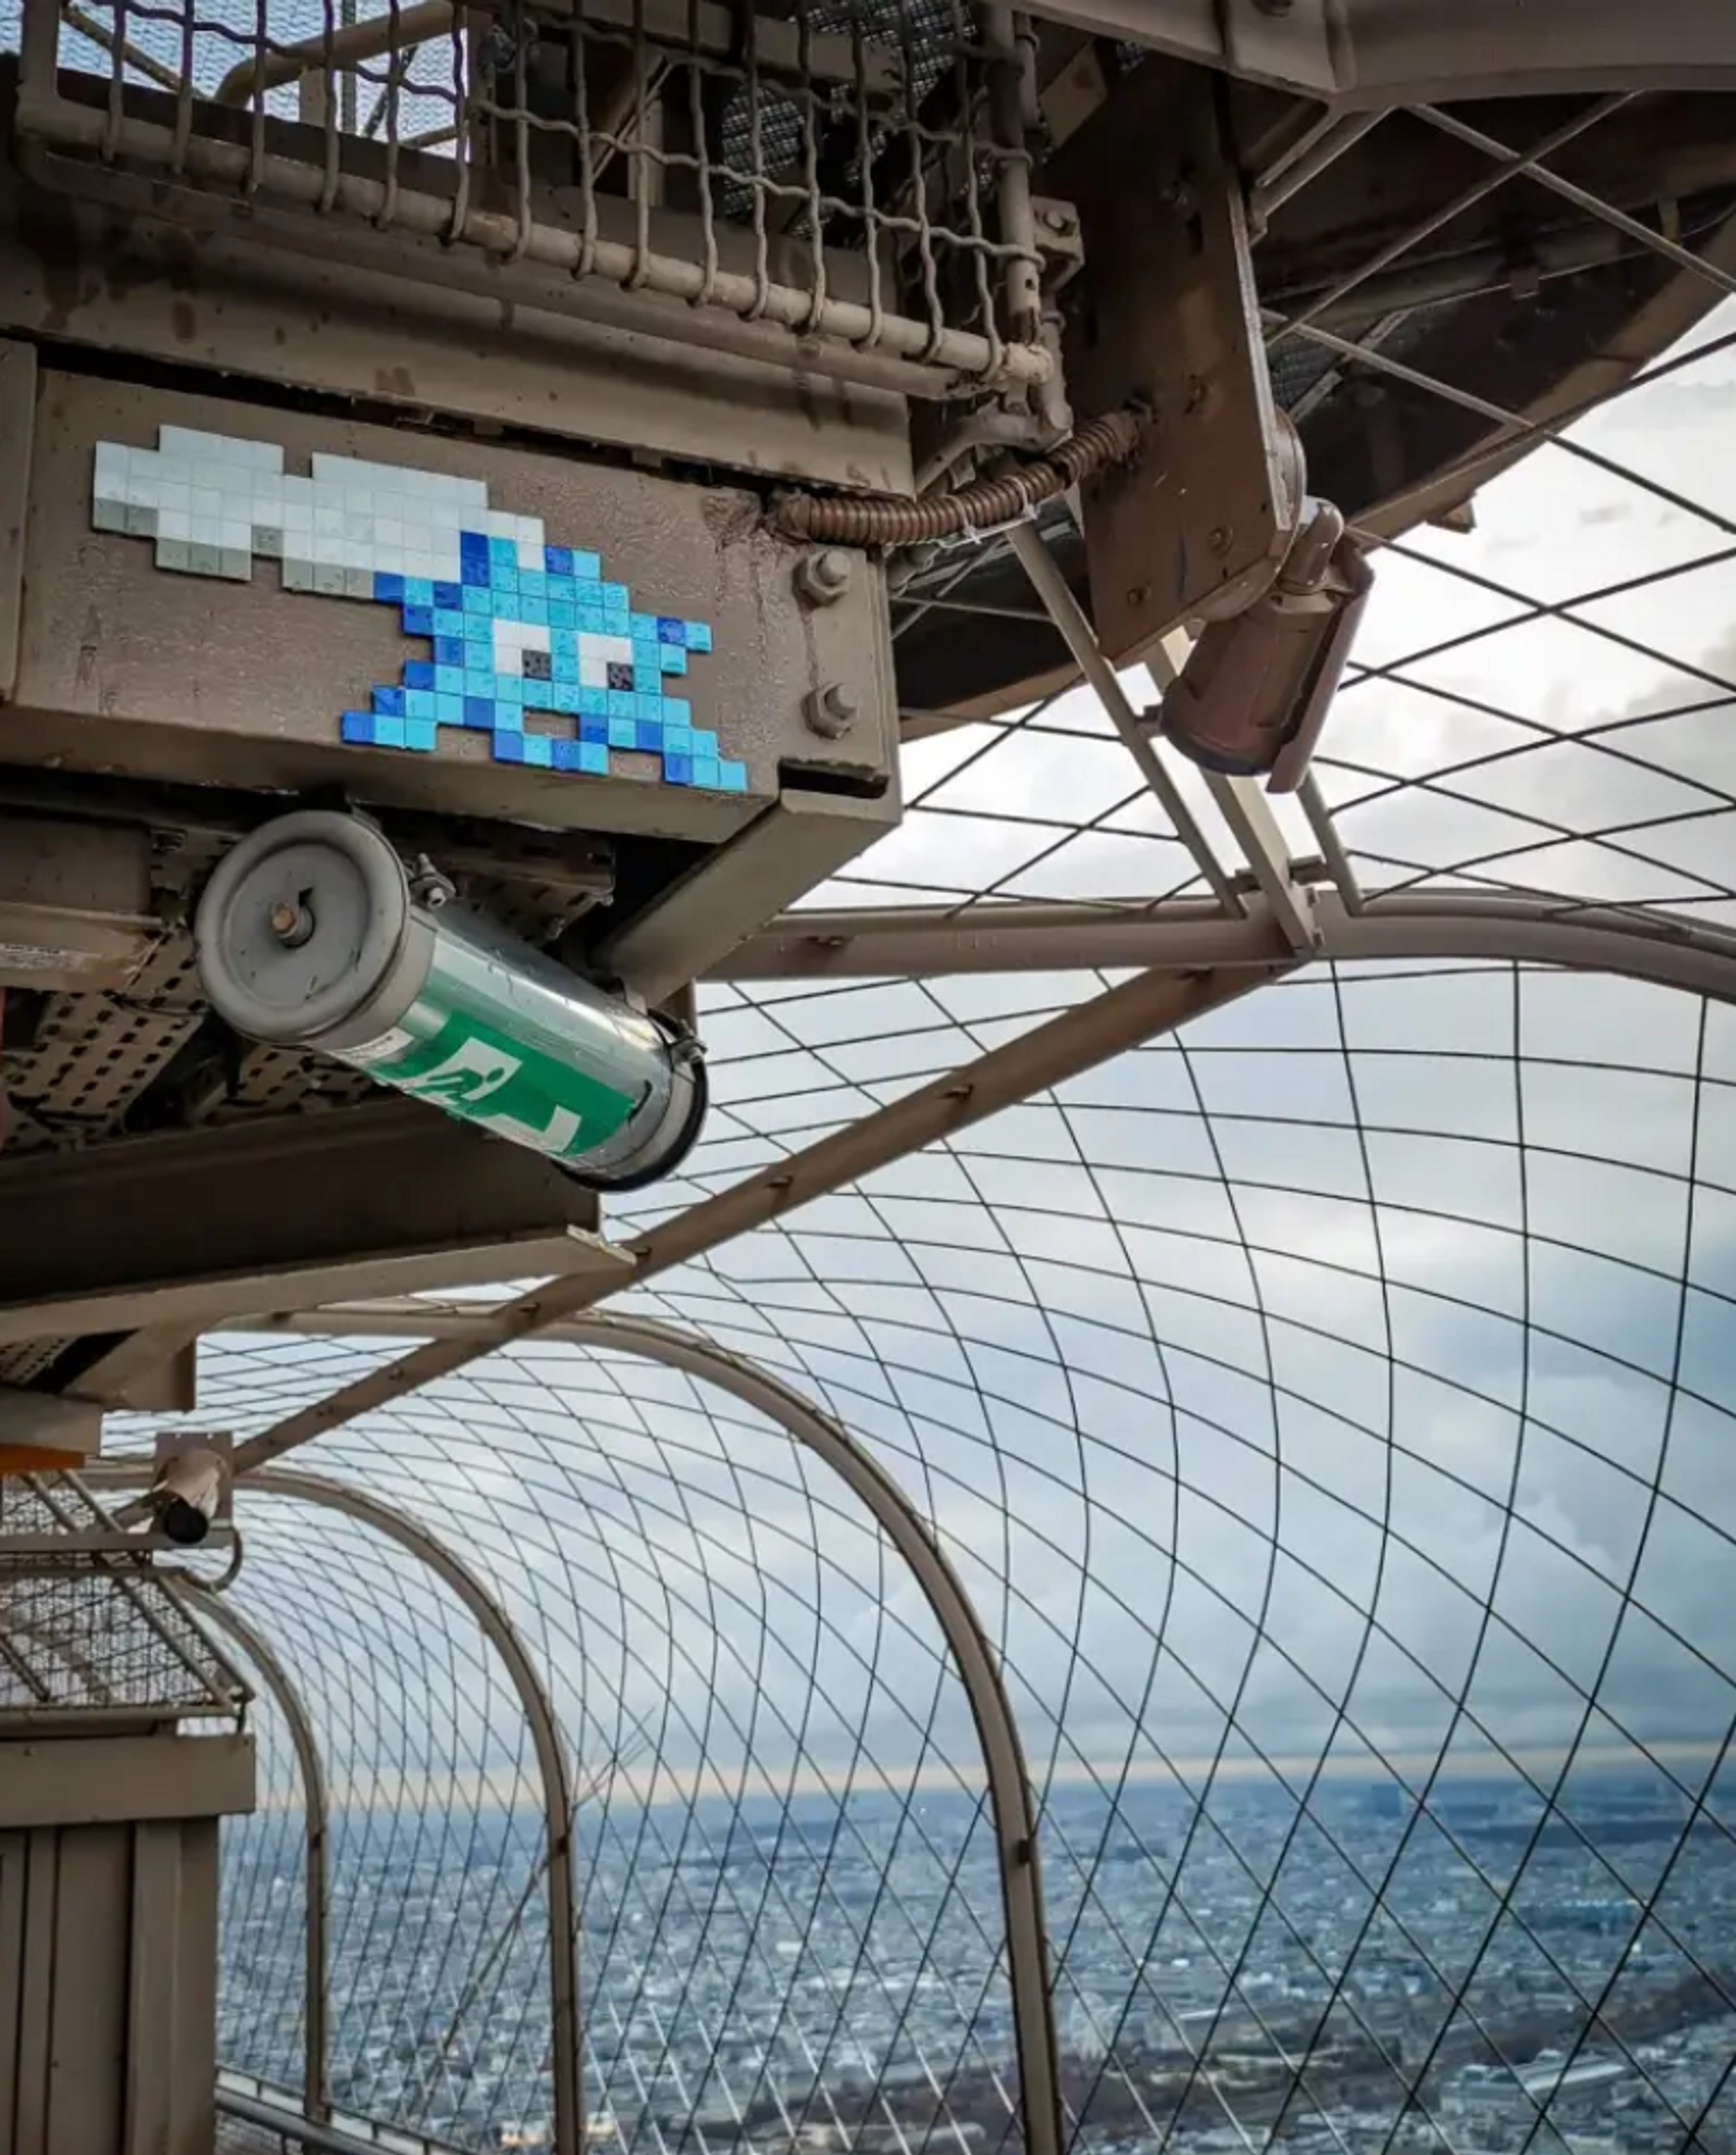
[308, 2136]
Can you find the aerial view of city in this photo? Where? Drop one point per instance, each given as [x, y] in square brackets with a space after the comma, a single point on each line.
[1360, 1978]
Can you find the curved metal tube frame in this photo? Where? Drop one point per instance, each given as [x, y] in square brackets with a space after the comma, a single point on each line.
[916, 942]
[498, 1627]
[808, 1425]
[1009, 1788]
[316, 2068]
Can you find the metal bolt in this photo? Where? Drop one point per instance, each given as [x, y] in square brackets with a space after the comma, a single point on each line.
[830, 711]
[1057, 220]
[1221, 540]
[291, 921]
[824, 578]
[1139, 594]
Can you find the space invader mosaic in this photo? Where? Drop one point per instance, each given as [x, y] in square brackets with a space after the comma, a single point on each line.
[516, 629]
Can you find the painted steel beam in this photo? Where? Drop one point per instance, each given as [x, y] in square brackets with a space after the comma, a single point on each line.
[1358, 53]
[1076, 1041]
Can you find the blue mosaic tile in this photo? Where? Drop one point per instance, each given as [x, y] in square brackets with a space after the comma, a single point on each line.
[508, 622]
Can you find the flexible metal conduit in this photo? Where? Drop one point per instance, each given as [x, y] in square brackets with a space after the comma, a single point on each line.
[883, 520]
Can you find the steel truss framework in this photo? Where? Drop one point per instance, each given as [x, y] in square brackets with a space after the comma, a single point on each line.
[1268, 1394]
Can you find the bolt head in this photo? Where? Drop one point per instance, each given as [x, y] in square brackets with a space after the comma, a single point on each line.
[830, 711]
[824, 577]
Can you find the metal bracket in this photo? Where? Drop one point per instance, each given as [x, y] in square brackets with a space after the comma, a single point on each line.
[1164, 318]
[1243, 804]
[1059, 241]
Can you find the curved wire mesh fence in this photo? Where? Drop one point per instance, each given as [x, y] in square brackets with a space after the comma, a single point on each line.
[1327, 1409]
[788, 1906]
[438, 1998]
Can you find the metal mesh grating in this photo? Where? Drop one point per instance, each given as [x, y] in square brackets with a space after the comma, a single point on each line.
[85, 1633]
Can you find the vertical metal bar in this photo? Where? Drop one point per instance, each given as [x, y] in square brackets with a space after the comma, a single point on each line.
[37, 1969]
[347, 84]
[1007, 74]
[18, 433]
[14, 1850]
[153, 1963]
[316, 2048]
[39, 50]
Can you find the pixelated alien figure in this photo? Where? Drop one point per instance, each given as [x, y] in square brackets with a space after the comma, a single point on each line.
[516, 629]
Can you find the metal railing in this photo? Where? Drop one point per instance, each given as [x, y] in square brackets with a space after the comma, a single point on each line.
[254, 2118]
[845, 182]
